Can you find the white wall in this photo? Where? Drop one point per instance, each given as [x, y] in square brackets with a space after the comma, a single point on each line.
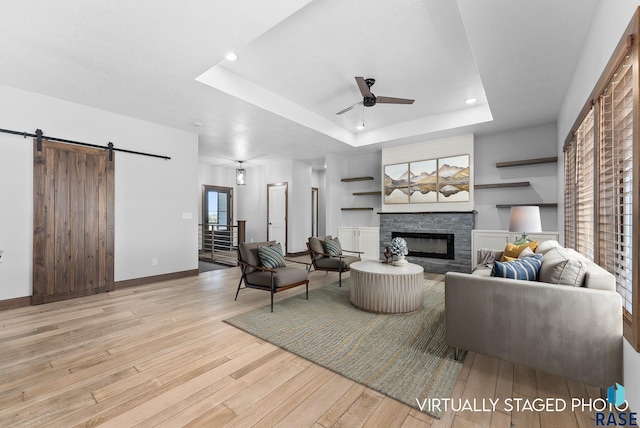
[151, 194]
[525, 143]
[610, 21]
[434, 149]
[300, 207]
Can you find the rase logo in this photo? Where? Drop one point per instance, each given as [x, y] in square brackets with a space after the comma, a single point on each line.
[615, 395]
[620, 416]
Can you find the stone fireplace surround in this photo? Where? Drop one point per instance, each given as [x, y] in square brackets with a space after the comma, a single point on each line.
[458, 223]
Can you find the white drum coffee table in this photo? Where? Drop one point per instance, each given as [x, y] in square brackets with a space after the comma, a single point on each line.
[384, 288]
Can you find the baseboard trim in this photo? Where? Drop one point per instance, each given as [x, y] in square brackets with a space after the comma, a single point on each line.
[15, 303]
[156, 278]
[20, 302]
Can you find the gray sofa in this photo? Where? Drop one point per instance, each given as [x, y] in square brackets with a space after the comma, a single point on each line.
[568, 330]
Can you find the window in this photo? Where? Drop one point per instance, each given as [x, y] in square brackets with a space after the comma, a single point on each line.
[217, 205]
[616, 180]
[601, 154]
[217, 230]
[584, 241]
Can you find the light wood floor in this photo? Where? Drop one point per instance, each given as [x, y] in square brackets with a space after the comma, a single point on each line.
[160, 355]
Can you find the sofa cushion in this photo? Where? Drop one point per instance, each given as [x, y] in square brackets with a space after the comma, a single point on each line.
[526, 268]
[512, 251]
[559, 266]
[596, 276]
[545, 246]
[527, 252]
[271, 256]
[332, 246]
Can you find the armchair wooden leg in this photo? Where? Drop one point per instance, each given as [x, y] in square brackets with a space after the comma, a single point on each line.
[340, 276]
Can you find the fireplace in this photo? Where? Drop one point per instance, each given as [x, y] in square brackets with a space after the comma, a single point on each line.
[447, 235]
[434, 245]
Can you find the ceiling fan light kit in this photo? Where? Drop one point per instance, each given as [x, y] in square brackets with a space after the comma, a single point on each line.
[369, 99]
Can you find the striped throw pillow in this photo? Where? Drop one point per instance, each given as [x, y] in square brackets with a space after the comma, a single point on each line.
[332, 246]
[271, 257]
[527, 268]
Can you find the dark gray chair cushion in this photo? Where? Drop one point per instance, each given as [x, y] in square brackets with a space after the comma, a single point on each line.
[284, 276]
[334, 262]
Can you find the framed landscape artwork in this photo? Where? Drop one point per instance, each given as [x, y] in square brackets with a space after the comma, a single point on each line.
[396, 183]
[453, 179]
[423, 182]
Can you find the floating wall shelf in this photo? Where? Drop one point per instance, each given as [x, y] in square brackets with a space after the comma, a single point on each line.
[496, 185]
[526, 162]
[375, 192]
[358, 209]
[356, 179]
[523, 205]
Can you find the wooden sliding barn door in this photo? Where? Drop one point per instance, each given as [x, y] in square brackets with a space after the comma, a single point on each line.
[73, 222]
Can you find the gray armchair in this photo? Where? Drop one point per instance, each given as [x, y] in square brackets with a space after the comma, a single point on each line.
[321, 260]
[261, 278]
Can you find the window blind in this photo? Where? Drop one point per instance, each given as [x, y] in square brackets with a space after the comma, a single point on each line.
[615, 198]
[585, 173]
[570, 195]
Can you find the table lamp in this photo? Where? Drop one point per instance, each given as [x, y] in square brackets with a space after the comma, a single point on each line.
[525, 219]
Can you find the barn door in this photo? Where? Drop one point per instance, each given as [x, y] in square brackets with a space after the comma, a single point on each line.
[73, 214]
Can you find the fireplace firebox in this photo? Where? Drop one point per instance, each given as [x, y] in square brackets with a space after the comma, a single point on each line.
[425, 244]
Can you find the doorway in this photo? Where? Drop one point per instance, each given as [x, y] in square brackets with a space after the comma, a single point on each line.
[277, 213]
[314, 211]
[73, 219]
[217, 230]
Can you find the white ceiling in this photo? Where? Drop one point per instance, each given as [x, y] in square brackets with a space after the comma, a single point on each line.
[163, 61]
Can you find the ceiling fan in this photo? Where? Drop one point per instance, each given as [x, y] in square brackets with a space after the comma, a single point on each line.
[369, 100]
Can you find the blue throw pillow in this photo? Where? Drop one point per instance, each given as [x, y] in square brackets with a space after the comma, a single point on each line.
[332, 246]
[527, 268]
[271, 257]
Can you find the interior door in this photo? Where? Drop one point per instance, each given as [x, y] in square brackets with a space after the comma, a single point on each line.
[73, 222]
[277, 214]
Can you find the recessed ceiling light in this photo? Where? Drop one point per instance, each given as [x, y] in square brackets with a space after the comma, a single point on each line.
[359, 127]
[231, 56]
[470, 100]
[196, 123]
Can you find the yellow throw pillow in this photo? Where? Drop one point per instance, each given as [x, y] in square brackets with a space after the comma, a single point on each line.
[512, 251]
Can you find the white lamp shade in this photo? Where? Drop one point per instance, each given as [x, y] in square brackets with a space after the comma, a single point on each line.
[525, 219]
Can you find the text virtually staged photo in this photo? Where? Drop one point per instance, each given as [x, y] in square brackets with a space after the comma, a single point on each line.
[314, 213]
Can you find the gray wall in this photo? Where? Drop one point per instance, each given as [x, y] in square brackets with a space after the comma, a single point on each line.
[526, 143]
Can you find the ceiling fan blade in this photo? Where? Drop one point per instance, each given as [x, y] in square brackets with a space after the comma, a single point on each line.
[391, 100]
[364, 88]
[350, 108]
